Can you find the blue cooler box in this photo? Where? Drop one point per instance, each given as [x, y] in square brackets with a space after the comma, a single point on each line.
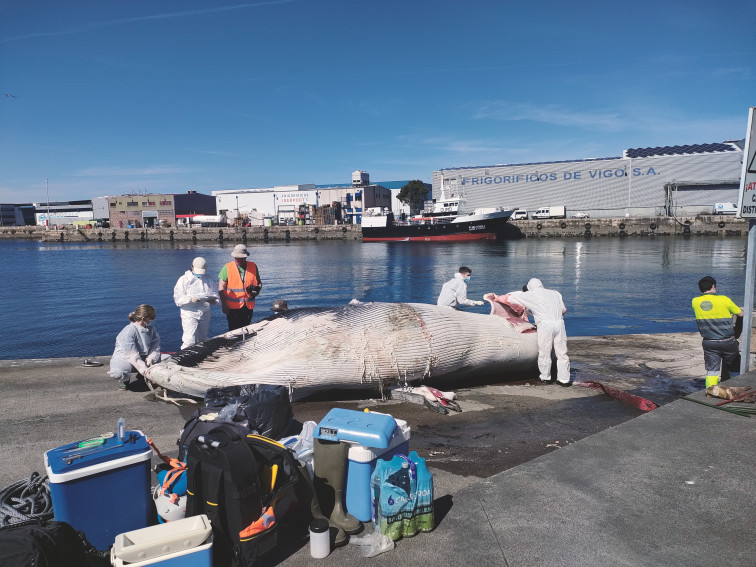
[102, 486]
[370, 436]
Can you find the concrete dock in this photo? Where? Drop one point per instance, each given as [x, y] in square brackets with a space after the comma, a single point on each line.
[620, 227]
[525, 475]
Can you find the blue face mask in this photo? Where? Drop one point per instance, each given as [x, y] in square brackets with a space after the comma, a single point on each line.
[467, 279]
[196, 275]
[151, 323]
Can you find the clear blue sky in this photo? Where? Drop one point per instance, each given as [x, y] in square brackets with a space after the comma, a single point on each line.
[114, 96]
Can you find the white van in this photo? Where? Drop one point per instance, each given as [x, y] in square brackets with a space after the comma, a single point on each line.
[520, 214]
[553, 212]
[725, 209]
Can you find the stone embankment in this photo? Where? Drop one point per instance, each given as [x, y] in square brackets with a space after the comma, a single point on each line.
[704, 225]
[218, 234]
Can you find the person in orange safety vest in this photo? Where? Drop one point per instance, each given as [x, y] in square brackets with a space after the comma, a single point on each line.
[238, 285]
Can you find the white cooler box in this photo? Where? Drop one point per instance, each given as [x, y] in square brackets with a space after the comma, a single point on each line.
[361, 465]
[182, 543]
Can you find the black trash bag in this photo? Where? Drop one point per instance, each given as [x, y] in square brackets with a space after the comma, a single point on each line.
[262, 408]
[269, 411]
[220, 397]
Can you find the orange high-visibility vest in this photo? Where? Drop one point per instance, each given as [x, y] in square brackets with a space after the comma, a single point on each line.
[236, 294]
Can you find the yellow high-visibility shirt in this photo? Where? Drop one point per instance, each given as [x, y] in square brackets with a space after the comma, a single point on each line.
[714, 315]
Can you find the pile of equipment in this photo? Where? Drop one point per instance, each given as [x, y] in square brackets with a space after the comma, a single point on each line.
[225, 497]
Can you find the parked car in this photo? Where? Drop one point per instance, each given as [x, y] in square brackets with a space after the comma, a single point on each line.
[519, 214]
[581, 216]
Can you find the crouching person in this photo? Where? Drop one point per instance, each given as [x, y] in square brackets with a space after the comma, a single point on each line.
[137, 346]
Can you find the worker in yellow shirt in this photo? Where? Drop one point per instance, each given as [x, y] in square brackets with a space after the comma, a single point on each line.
[714, 317]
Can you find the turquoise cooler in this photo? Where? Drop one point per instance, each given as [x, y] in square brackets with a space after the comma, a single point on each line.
[102, 490]
[187, 542]
[370, 436]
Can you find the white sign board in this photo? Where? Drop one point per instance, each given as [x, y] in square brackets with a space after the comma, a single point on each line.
[747, 199]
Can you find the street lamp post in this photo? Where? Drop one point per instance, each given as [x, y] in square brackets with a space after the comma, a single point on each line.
[47, 220]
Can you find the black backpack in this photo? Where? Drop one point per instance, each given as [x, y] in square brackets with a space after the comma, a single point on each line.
[36, 543]
[245, 485]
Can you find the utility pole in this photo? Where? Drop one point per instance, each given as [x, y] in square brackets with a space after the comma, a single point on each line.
[47, 220]
[747, 209]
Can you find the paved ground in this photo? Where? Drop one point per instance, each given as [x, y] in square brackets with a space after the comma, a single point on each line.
[525, 475]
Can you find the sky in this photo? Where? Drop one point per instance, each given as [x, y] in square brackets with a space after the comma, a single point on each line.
[109, 97]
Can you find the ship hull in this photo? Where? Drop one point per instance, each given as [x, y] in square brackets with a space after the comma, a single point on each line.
[458, 231]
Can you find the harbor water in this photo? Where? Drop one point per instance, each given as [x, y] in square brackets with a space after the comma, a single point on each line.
[71, 300]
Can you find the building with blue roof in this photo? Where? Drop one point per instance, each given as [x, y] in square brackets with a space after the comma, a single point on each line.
[683, 180]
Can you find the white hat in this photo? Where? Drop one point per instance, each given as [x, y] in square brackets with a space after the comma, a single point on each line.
[199, 266]
[240, 251]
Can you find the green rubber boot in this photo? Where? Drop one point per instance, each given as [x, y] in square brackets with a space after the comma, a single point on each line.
[305, 492]
[330, 471]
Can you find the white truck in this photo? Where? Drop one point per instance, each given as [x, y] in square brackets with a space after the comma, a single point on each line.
[553, 212]
[725, 209]
[208, 220]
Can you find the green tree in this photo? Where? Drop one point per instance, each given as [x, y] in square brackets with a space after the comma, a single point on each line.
[413, 194]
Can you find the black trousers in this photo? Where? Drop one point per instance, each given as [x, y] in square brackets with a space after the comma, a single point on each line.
[238, 318]
[721, 357]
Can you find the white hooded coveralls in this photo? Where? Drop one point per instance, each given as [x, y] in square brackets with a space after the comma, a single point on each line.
[195, 317]
[547, 308]
[134, 346]
[454, 293]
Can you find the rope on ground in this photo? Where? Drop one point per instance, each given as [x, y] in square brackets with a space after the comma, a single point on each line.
[26, 499]
[164, 396]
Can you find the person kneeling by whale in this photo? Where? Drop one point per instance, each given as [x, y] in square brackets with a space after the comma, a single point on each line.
[137, 346]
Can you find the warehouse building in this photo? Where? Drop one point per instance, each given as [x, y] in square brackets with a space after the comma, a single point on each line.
[304, 203]
[670, 180]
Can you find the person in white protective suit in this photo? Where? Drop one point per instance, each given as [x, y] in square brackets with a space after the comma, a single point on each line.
[454, 292]
[547, 308]
[194, 293]
[137, 346]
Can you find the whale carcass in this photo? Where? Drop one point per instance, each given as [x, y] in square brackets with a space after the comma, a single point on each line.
[357, 346]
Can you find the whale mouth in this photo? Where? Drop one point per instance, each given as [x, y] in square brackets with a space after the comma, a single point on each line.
[514, 314]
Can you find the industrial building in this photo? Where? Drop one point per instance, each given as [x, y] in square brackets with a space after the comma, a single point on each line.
[303, 204]
[63, 213]
[16, 214]
[671, 180]
[152, 209]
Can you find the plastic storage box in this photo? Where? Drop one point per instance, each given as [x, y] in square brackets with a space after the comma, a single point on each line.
[370, 436]
[101, 486]
[182, 543]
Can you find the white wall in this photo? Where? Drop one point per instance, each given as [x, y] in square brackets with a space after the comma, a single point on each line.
[602, 187]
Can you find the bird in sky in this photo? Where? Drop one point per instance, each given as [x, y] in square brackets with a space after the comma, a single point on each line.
[10, 95]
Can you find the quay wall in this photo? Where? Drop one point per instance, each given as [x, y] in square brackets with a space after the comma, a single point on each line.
[703, 225]
[234, 235]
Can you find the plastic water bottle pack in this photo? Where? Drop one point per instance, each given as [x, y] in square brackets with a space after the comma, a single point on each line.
[402, 497]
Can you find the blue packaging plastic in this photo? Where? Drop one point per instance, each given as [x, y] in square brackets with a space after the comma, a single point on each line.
[102, 487]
